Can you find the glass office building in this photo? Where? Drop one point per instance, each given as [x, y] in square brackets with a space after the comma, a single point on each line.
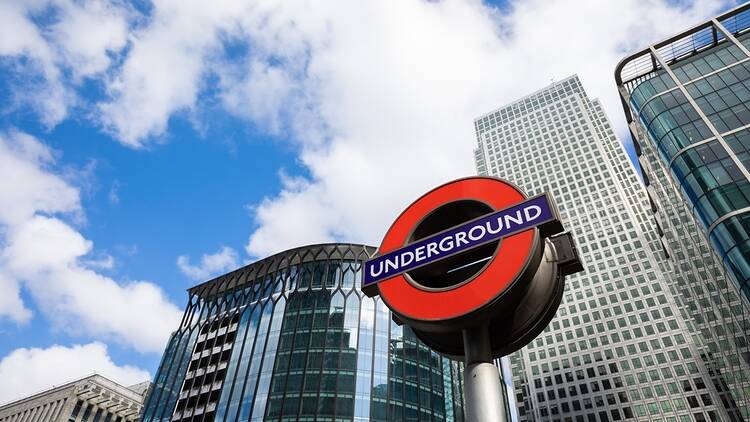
[620, 346]
[687, 102]
[291, 337]
[692, 106]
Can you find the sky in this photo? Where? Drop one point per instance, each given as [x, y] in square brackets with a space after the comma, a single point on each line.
[149, 146]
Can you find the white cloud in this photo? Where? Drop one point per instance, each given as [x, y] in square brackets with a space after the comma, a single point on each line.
[27, 371]
[19, 37]
[30, 188]
[378, 97]
[225, 259]
[11, 305]
[266, 97]
[80, 41]
[86, 33]
[114, 193]
[162, 73]
[103, 262]
[395, 88]
[52, 261]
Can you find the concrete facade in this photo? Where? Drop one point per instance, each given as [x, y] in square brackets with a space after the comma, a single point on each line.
[90, 399]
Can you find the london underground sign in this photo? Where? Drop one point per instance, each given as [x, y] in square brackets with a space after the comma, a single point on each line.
[476, 268]
[470, 251]
[527, 214]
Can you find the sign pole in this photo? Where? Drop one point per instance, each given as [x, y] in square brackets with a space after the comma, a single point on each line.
[485, 401]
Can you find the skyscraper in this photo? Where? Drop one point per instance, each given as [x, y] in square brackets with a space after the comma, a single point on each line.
[687, 102]
[618, 347]
[291, 337]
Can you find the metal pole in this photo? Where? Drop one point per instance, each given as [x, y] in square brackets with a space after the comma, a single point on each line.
[485, 401]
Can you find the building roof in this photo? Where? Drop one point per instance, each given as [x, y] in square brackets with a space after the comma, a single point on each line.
[684, 44]
[93, 379]
[266, 266]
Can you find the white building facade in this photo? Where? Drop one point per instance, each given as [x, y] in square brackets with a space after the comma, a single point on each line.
[620, 347]
[90, 399]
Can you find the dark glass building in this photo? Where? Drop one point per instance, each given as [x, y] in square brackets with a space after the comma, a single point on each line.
[687, 102]
[291, 337]
[693, 107]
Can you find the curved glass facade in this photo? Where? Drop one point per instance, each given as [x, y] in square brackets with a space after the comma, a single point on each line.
[696, 115]
[711, 181]
[687, 102]
[291, 337]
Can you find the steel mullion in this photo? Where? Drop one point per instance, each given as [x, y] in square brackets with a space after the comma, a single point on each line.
[702, 115]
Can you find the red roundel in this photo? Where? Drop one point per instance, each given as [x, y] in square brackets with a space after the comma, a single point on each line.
[410, 301]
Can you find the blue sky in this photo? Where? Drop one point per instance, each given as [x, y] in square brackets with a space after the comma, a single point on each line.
[146, 147]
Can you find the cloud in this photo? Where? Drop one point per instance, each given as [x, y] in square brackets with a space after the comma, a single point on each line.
[20, 38]
[104, 262]
[267, 97]
[114, 193]
[86, 33]
[79, 43]
[378, 98]
[49, 258]
[11, 305]
[31, 188]
[27, 371]
[162, 73]
[211, 265]
[390, 90]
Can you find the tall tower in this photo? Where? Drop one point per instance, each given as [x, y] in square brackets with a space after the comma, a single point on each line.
[619, 347]
[687, 102]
